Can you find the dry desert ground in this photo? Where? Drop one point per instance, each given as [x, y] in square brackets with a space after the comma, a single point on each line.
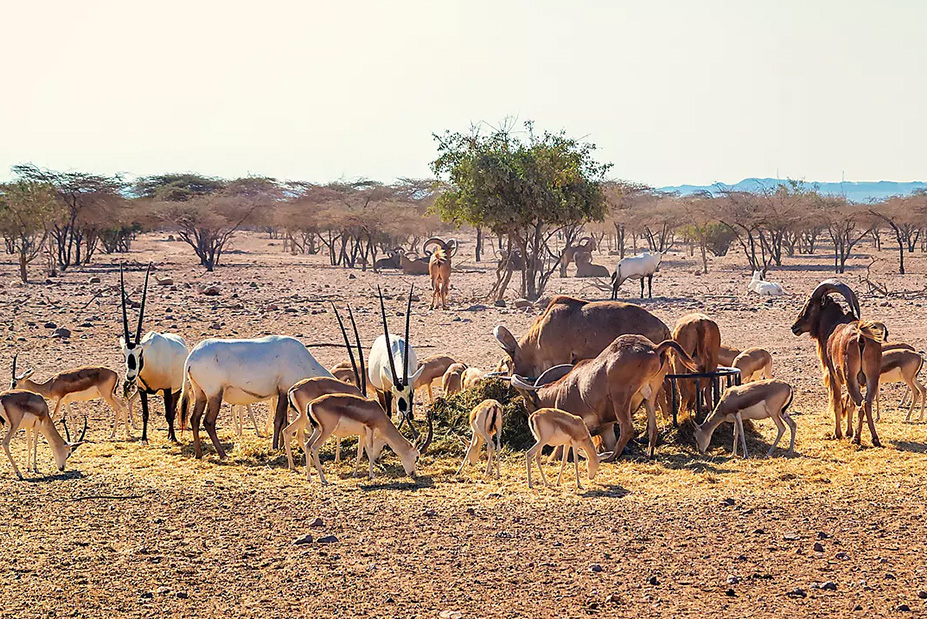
[148, 531]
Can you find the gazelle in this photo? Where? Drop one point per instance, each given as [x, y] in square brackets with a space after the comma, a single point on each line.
[353, 414]
[306, 391]
[902, 366]
[552, 426]
[155, 364]
[28, 410]
[80, 385]
[381, 370]
[486, 423]
[754, 364]
[452, 381]
[242, 372]
[433, 368]
[471, 377]
[756, 400]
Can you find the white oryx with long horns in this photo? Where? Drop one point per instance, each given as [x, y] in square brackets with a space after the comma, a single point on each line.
[153, 365]
[242, 372]
[382, 374]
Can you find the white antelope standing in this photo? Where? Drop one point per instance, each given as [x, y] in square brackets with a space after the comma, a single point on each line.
[153, 365]
[639, 267]
[26, 410]
[382, 374]
[242, 372]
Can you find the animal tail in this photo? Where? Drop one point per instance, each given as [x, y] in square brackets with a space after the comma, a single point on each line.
[532, 425]
[492, 419]
[440, 255]
[785, 409]
[873, 330]
[664, 347]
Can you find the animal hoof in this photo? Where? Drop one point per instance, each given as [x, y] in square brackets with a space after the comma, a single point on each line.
[876, 443]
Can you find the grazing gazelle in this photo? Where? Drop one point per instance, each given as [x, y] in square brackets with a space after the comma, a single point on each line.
[80, 385]
[153, 364]
[28, 410]
[552, 426]
[486, 423]
[303, 393]
[381, 367]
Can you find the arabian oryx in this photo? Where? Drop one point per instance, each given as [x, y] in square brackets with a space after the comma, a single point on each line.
[155, 363]
[381, 368]
[639, 267]
[242, 372]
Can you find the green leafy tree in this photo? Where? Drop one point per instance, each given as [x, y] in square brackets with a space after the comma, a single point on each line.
[26, 210]
[525, 187]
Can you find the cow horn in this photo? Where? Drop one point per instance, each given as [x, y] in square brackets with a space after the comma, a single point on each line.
[835, 285]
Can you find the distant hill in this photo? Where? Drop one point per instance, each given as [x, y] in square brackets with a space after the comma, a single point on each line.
[858, 191]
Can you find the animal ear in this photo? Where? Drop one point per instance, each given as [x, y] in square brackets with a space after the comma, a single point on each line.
[605, 455]
[418, 373]
[506, 339]
[122, 341]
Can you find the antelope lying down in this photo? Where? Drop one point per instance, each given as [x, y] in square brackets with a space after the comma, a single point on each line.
[756, 400]
[27, 410]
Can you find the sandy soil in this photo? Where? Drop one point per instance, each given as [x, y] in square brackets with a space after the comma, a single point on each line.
[148, 531]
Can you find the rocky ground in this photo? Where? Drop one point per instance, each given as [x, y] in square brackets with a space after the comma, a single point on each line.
[139, 531]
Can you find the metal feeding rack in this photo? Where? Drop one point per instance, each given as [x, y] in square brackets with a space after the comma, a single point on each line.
[731, 377]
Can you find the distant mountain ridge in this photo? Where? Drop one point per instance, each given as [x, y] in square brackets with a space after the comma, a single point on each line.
[855, 191]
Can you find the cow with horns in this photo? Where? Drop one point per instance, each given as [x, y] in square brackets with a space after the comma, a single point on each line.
[153, 364]
[387, 353]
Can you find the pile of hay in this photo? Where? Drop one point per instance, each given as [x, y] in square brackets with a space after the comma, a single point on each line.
[452, 418]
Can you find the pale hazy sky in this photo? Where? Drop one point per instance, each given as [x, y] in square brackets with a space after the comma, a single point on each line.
[671, 92]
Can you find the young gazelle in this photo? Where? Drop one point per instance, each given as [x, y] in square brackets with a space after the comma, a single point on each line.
[27, 410]
[486, 423]
[900, 365]
[352, 414]
[757, 400]
[754, 364]
[434, 368]
[80, 385]
[552, 426]
[452, 381]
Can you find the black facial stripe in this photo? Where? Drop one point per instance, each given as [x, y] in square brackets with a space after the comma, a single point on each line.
[130, 362]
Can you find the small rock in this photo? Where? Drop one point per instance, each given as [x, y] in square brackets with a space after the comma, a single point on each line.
[922, 595]
[211, 291]
[146, 595]
[653, 581]
[818, 547]
[612, 598]
[303, 540]
[522, 303]
[595, 567]
[165, 281]
[181, 595]
[450, 614]
[842, 556]
[317, 523]
[829, 586]
[499, 303]
[797, 592]
[93, 280]
[823, 535]
[476, 308]
[352, 276]
[791, 537]
[429, 513]
[759, 531]
[209, 483]
[858, 607]
[471, 511]
[889, 576]
[163, 590]
[730, 593]
[328, 539]
[727, 502]
[903, 608]
[733, 580]
[63, 333]
[50, 325]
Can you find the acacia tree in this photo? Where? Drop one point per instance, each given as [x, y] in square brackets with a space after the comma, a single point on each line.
[25, 209]
[739, 213]
[904, 217]
[524, 188]
[846, 225]
[85, 196]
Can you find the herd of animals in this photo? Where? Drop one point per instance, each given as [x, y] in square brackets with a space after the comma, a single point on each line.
[584, 369]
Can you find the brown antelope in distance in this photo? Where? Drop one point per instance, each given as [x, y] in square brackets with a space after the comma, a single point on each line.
[433, 368]
[726, 355]
[80, 385]
[28, 410]
[486, 423]
[756, 400]
[849, 351]
[452, 381]
[585, 244]
[552, 426]
[754, 364]
[439, 268]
